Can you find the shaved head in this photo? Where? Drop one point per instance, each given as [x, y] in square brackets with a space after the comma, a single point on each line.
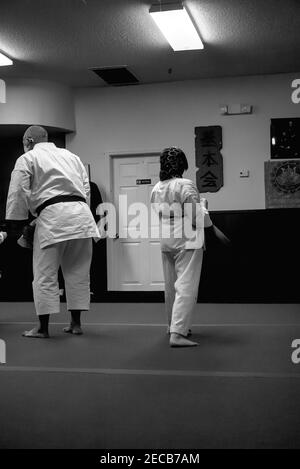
[34, 134]
[37, 133]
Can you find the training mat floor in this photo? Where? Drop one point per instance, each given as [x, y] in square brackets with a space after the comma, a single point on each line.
[121, 386]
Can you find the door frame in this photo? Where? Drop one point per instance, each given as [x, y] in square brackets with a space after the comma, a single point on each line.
[112, 156]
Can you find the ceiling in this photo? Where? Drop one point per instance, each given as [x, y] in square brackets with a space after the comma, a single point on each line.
[61, 40]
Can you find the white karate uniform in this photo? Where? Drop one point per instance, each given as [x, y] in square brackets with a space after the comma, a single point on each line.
[182, 252]
[63, 231]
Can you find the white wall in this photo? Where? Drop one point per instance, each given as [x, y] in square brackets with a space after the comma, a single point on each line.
[38, 102]
[151, 117]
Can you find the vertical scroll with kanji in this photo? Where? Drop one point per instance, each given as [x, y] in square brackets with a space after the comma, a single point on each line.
[209, 161]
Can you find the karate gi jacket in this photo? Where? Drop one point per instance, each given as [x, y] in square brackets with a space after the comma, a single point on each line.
[175, 193]
[45, 172]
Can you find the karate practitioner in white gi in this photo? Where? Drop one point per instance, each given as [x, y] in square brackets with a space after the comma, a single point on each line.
[182, 252]
[52, 183]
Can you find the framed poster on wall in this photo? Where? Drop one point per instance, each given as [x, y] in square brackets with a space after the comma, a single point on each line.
[285, 138]
[282, 184]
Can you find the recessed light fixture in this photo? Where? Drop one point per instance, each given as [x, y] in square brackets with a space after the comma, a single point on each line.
[5, 60]
[177, 26]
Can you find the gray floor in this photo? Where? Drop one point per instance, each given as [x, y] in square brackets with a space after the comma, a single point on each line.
[121, 386]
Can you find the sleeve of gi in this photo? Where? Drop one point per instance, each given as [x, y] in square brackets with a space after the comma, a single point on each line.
[86, 184]
[200, 215]
[17, 204]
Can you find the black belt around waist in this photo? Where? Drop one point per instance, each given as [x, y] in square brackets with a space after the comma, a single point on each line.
[59, 198]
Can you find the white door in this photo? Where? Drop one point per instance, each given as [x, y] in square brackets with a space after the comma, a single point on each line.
[134, 262]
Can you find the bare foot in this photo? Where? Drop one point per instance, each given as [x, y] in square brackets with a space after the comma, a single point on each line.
[177, 340]
[73, 329]
[36, 333]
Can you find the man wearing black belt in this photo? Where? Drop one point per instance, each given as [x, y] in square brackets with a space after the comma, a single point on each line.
[52, 183]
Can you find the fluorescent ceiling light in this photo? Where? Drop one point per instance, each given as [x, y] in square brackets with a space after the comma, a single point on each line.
[176, 25]
[5, 60]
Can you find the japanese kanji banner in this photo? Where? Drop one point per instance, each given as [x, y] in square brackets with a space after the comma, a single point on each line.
[209, 161]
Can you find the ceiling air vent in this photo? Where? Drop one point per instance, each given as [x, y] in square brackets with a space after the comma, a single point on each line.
[116, 76]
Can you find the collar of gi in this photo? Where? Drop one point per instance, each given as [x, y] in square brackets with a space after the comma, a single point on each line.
[44, 144]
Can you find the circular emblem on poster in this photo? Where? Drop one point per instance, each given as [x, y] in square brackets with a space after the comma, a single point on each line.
[286, 177]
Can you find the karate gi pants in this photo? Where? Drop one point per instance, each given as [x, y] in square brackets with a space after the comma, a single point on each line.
[182, 270]
[74, 256]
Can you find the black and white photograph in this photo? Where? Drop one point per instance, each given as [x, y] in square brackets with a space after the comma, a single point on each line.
[149, 229]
